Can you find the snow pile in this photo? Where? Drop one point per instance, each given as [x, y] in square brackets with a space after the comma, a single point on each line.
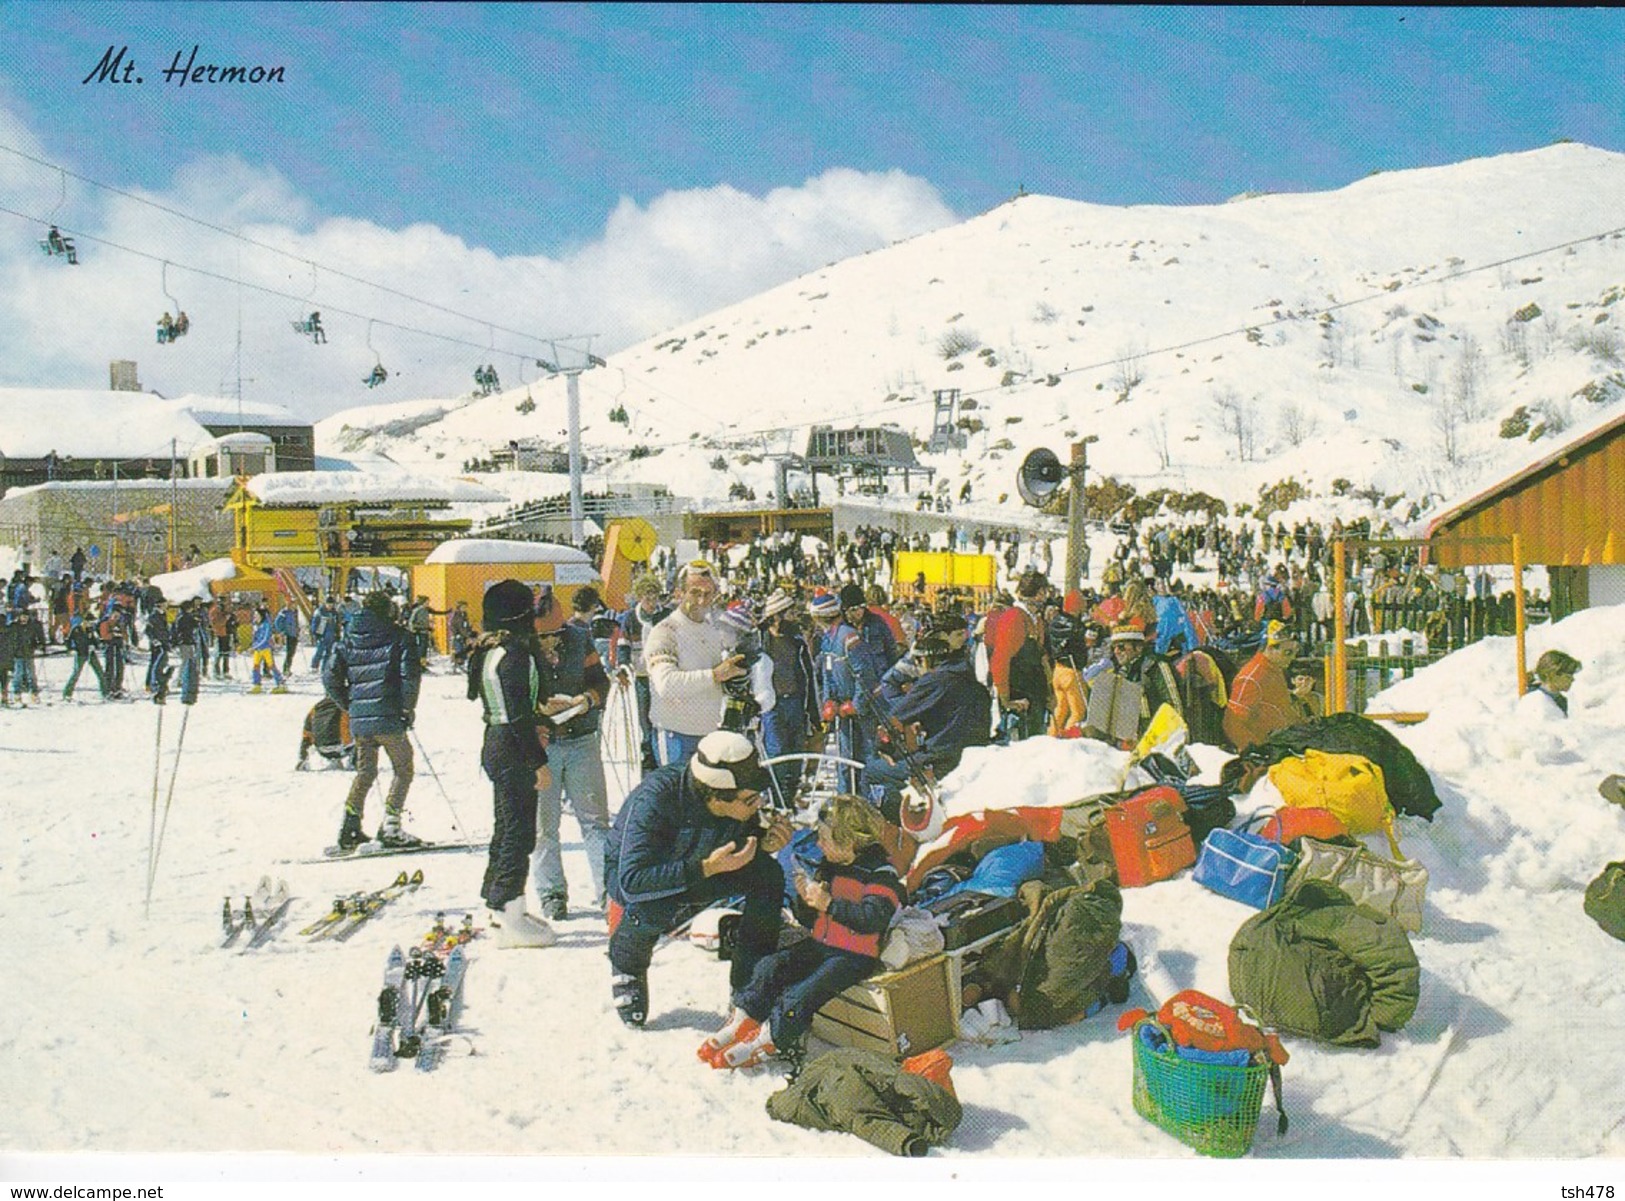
[499, 550]
[1512, 1053]
[193, 582]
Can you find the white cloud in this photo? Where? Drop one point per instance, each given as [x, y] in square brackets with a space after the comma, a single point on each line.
[652, 266]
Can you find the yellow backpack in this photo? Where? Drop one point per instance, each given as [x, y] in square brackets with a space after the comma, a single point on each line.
[1350, 786]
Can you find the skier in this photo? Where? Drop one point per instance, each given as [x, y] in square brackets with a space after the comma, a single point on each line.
[264, 654]
[373, 675]
[83, 644]
[286, 626]
[505, 672]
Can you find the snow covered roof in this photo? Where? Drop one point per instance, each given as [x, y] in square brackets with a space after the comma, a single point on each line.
[339, 487]
[94, 423]
[571, 566]
[193, 581]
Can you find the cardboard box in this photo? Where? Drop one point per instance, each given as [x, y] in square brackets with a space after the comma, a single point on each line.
[899, 1013]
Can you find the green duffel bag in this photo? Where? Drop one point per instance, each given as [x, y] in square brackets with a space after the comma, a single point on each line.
[1605, 900]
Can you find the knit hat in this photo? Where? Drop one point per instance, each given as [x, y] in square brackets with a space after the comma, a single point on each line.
[1132, 630]
[776, 604]
[852, 597]
[506, 607]
[727, 761]
[824, 605]
[739, 616]
[1276, 633]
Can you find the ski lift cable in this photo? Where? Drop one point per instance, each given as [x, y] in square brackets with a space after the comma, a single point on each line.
[1284, 319]
[265, 290]
[230, 233]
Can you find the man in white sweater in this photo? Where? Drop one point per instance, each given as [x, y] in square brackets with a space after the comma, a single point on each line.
[689, 657]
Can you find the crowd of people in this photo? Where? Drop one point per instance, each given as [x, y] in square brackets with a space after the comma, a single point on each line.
[737, 662]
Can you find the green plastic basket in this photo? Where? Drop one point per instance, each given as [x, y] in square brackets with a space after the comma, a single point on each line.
[1212, 1108]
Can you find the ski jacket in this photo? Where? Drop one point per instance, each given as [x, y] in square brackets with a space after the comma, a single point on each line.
[954, 710]
[1015, 657]
[263, 634]
[579, 672]
[286, 623]
[507, 680]
[374, 677]
[662, 834]
[1260, 704]
[853, 660]
[626, 645]
[864, 896]
[680, 655]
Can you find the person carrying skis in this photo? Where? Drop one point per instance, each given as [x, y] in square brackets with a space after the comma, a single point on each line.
[505, 674]
[848, 903]
[374, 677]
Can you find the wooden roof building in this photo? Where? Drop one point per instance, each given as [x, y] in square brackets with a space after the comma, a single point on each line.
[1568, 510]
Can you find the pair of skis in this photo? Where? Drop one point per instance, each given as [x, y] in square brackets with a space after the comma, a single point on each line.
[443, 937]
[350, 913]
[417, 1008]
[260, 915]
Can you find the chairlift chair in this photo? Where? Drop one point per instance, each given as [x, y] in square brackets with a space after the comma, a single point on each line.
[54, 244]
[379, 373]
[171, 327]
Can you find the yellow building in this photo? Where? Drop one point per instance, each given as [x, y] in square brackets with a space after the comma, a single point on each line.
[343, 521]
[463, 568]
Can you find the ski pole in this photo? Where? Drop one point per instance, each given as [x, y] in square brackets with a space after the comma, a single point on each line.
[158, 848]
[429, 763]
[152, 820]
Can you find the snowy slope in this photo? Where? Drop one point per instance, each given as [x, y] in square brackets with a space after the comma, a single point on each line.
[1379, 333]
[129, 1032]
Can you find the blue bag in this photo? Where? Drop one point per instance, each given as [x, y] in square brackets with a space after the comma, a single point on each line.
[1244, 867]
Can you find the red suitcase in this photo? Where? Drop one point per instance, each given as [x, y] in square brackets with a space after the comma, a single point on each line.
[1149, 837]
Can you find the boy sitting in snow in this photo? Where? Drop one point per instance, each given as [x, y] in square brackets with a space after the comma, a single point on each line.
[849, 902]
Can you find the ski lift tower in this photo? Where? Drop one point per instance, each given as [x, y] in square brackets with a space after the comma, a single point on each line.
[572, 380]
[945, 432]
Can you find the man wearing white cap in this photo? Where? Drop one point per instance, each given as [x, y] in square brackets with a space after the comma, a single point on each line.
[684, 838]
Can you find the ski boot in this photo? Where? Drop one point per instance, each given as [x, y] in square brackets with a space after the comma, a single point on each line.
[391, 835]
[740, 1026]
[631, 995]
[350, 833]
[520, 929]
[749, 1052]
[555, 908]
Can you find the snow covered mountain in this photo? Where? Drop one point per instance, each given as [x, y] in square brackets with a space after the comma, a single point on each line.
[1411, 333]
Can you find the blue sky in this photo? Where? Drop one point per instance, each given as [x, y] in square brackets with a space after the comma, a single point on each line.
[518, 127]
[542, 141]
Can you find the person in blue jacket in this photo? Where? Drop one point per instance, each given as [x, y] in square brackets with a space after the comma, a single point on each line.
[687, 836]
[374, 677]
[856, 651]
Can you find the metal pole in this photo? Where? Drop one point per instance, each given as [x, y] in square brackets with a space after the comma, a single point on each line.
[1520, 625]
[1340, 624]
[573, 389]
[1075, 534]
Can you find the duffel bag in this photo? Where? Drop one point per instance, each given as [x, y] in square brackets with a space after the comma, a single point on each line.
[1351, 786]
[1605, 900]
[1394, 888]
[1244, 867]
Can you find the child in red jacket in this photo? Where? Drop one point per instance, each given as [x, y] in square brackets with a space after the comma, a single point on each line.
[849, 902]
